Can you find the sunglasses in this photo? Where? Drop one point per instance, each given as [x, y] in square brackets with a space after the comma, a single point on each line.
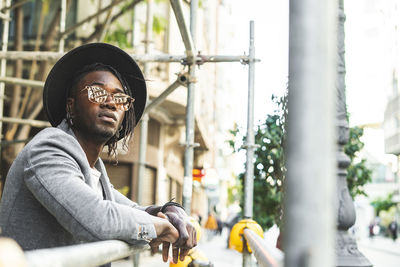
[99, 95]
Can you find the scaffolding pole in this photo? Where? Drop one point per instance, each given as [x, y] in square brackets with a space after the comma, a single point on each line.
[250, 146]
[62, 25]
[6, 26]
[187, 38]
[160, 58]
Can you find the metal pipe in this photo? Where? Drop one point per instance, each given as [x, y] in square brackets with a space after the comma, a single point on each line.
[200, 59]
[155, 102]
[19, 3]
[186, 37]
[89, 254]
[62, 25]
[33, 123]
[80, 23]
[145, 117]
[12, 142]
[266, 255]
[310, 181]
[6, 26]
[189, 142]
[249, 174]
[23, 82]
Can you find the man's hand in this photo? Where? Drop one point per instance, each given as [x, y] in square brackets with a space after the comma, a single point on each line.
[187, 233]
[166, 234]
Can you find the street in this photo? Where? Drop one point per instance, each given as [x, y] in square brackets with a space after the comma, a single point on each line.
[382, 252]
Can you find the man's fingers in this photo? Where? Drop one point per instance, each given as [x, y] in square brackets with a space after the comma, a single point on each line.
[162, 215]
[175, 253]
[165, 251]
[183, 253]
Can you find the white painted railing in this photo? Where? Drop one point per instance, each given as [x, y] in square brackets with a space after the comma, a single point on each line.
[265, 254]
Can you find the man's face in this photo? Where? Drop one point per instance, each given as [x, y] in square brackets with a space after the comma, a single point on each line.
[93, 120]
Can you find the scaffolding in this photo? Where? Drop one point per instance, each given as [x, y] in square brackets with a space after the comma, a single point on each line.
[192, 58]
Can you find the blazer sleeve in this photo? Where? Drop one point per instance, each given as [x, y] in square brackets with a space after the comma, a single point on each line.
[53, 174]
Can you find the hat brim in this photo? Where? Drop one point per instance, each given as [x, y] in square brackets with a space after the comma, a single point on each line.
[61, 75]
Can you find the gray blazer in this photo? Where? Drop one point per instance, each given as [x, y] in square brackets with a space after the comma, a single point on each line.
[48, 200]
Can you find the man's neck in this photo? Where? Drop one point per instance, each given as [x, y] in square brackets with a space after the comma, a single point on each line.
[91, 148]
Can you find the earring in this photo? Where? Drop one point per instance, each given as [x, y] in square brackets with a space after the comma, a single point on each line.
[69, 119]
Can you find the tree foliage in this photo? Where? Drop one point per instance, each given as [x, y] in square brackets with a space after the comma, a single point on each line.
[381, 204]
[358, 174]
[269, 165]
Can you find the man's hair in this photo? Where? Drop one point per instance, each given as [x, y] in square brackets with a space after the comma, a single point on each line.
[129, 119]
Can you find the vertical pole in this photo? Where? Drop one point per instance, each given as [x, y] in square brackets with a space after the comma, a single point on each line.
[6, 24]
[145, 118]
[189, 148]
[62, 24]
[347, 252]
[310, 181]
[249, 174]
[144, 124]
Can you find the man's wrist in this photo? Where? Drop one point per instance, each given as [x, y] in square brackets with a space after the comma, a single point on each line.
[169, 204]
[153, 210]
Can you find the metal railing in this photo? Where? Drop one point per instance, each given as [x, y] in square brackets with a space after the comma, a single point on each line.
[89, 254]
[265, 254]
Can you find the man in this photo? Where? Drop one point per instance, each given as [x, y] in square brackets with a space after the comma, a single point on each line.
[57, 191]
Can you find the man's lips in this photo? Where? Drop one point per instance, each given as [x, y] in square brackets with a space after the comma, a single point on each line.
[108, 116]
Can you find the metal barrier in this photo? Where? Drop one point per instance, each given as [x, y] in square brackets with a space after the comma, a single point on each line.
[266, 255]
[89, 254]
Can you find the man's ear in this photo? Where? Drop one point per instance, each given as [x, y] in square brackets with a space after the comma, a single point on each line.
[69, 105]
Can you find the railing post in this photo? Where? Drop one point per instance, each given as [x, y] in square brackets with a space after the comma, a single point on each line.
[347, 252]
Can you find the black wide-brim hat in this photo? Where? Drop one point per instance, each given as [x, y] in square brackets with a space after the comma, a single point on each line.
[59, 80]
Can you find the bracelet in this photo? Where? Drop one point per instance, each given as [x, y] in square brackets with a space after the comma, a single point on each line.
[170, 203]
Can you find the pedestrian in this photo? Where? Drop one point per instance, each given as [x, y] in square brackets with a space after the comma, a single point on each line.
[211, 225]
[57, 191]
[393, 229]
[220, 226]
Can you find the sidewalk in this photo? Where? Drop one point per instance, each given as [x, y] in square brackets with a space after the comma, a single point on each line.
[380, 243]
[215, 250]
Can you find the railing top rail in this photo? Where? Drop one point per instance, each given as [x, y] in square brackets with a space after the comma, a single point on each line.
[266, 255]
[89, 254]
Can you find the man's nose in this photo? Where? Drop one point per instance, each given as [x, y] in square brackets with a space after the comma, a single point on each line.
[110, 102]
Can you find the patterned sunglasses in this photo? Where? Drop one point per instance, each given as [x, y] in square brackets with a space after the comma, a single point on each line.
[99, 95]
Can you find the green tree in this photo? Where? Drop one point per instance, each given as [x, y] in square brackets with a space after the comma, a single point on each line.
[381, 204]
[269, 164]
[358, 174]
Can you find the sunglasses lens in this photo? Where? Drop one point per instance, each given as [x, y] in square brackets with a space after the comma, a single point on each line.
[100, 95]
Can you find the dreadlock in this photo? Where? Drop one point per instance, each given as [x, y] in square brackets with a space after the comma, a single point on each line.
[129, 122]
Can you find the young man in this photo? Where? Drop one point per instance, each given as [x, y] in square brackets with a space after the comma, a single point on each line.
[57, 191]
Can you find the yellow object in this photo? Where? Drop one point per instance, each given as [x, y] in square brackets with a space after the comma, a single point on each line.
[211, 223]
[194, 254]
[236, 236]
[197, 226]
